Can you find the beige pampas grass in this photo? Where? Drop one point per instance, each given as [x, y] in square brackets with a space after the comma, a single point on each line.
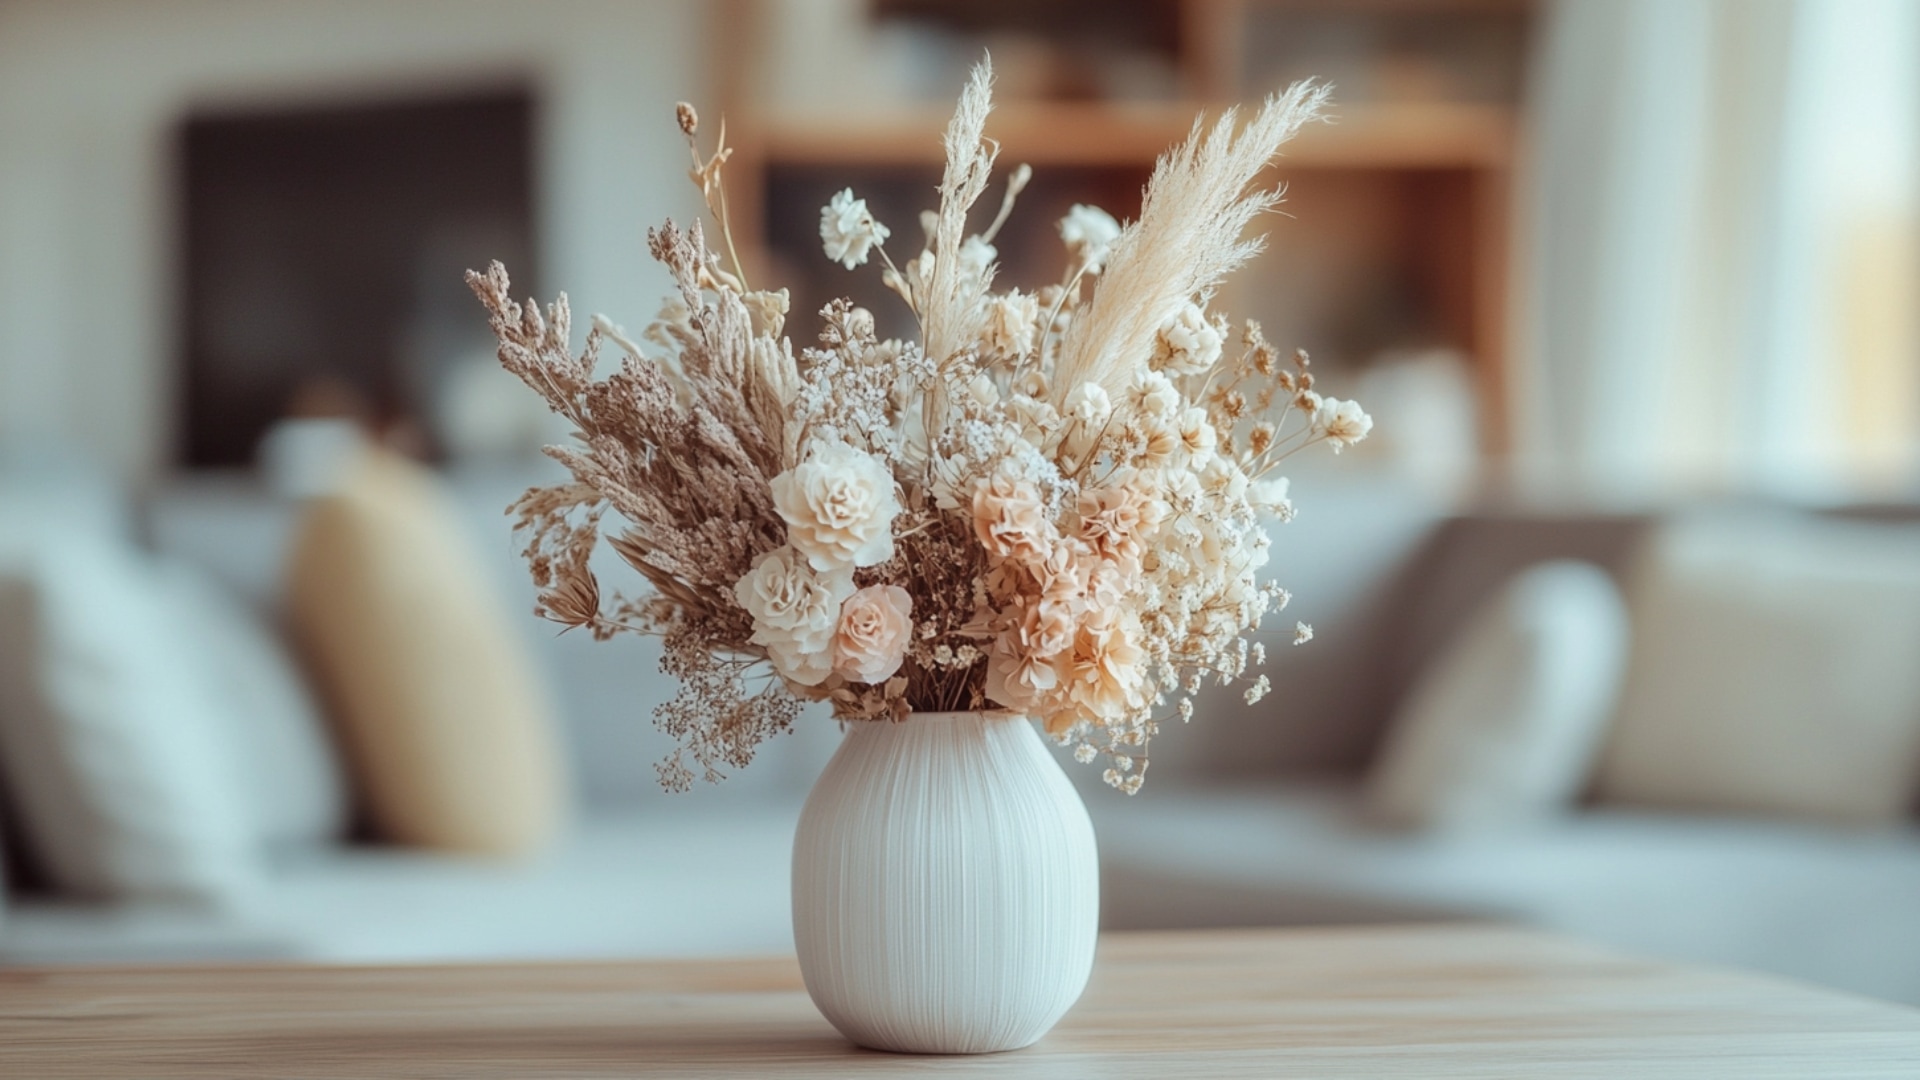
[953, 305]
[1188, 237]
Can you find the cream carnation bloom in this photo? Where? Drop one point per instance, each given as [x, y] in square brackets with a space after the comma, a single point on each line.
[1011, 322]
[876, 625]
[1089, 404]
[795, 611]
[1153, 394]
[1114, 519]
[1063, 573]
[1022, 666]
[1047, 627]
[847, 229]
[1102, 672]
[1010, 519]
[839, 505]
[1188, 344]
[1016, 678]
[1342, 422]
[1089, 233]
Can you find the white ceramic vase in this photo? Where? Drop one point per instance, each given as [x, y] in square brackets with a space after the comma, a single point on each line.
[946, 888]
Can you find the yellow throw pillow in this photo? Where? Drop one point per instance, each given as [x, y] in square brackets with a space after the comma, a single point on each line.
[449, 730]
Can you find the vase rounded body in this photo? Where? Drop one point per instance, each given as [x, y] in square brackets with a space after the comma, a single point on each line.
[946, 888]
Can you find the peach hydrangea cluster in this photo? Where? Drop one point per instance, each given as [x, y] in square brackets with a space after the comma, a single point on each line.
[1052, 501]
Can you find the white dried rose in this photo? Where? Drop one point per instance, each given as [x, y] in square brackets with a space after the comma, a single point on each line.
[1187, 344]
[839, 505]
[1011, 322]
[876, 625]
[1341, 423]
[848, 230]
[1089, 404]
[795, 610]
[1089, 233]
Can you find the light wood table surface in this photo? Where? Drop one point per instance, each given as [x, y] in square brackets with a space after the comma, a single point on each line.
[1377, 1002]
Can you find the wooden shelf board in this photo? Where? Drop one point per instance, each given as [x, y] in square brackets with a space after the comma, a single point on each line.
[1376, 136]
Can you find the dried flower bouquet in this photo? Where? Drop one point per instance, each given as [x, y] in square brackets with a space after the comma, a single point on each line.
[1051, 503]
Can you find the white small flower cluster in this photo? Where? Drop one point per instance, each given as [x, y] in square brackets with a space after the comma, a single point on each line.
[1089, 233]
[1341, 423]
[848, 230]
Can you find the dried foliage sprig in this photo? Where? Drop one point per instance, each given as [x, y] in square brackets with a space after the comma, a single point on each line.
[1052, 503]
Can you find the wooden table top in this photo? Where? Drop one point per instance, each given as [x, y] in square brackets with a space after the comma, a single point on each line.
[1376, 1002]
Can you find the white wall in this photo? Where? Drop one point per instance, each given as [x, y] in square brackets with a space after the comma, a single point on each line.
[90, 91]
[1724, 224]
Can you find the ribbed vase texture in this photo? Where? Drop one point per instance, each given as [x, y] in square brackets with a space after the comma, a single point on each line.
[946, 888]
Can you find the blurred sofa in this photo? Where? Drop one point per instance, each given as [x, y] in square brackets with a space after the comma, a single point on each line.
[1253, 816]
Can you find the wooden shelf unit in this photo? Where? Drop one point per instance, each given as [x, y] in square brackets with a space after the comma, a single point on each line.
[1399, 136]
[1467, 150]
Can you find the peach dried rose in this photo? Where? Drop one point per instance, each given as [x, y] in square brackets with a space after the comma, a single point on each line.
[876, 625]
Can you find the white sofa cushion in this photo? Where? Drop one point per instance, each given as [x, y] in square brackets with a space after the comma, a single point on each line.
[290, 772]
[115, 753]
[1775, 670]
[1502, 727]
